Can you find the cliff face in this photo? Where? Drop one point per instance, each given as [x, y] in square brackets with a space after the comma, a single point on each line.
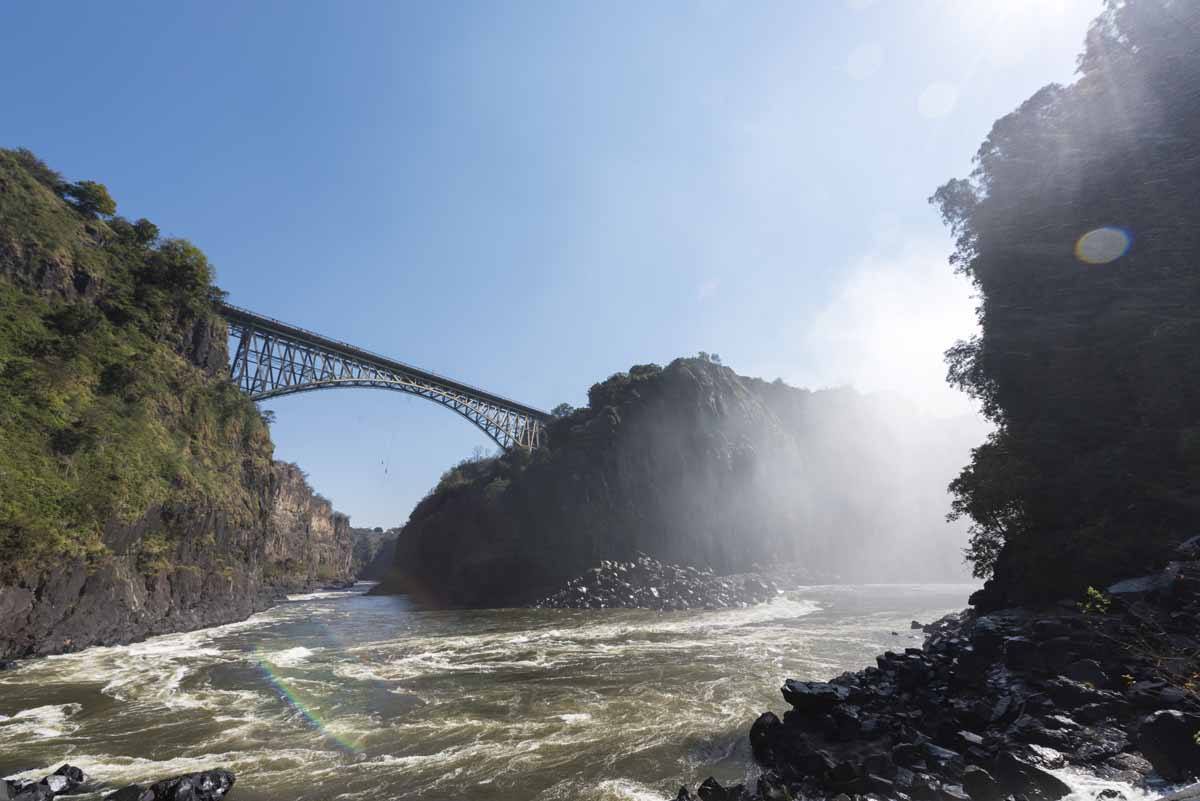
[138, 494]
[374, 552]
[307, 541]
[179, 569]
[690, 464]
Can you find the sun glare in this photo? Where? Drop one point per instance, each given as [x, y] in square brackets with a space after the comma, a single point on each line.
[1103, 245]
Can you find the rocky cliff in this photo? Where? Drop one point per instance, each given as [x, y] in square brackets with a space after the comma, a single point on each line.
[696, 465]
[308, 542]
[138, 494]
[374, 552]
[177, 569]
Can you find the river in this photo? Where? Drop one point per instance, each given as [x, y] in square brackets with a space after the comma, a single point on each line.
[345, 696]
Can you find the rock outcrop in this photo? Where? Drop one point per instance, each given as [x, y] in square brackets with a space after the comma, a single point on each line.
[691, 464]
[308, 543]
[206, 572]
[994, 702]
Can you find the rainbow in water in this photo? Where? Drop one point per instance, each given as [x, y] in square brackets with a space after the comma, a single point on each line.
[301, 703]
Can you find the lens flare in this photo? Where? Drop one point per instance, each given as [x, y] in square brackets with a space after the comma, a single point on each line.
[294, 698]
[1103, 245]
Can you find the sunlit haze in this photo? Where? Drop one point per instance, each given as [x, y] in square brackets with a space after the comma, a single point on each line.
[530, 197]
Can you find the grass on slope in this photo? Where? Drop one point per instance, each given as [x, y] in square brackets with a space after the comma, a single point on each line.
[100, 416]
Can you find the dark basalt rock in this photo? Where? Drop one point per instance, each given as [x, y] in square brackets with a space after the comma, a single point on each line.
[1168, 739]
[1020, 778]
[69, 604]
[1087, 671]
[760, 735]
[981, 785]
[1189, 549]
[712, 790]
[813, 697]
[991, 704]
[67, 780]
[209, 785]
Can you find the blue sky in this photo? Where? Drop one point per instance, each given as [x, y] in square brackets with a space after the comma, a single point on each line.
[532, 196]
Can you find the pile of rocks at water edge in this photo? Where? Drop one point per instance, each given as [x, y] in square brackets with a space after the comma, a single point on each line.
[992, 703]
[647, 583]
[209, 785]
[67, 780]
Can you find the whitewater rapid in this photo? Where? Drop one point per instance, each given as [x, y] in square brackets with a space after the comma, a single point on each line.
[345, 696]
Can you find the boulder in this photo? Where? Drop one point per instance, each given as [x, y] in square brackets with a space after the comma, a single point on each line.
[1020, 778]
[1189, 549]
[1168, 739]
[980, 785]
[711, 790]
[1023, 654]
[1144, 585]
[209, 785]
[67, 779]
[813, 697]
[772, 788]
[34, 792]
[987, 636]
[1155, 695]
[760, 735]
[1070, 694]
[954, 792]
[1087, 671]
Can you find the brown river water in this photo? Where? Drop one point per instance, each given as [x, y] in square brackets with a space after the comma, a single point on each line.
[344, 696]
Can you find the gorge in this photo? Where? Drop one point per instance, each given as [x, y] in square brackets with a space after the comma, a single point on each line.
[701, 585]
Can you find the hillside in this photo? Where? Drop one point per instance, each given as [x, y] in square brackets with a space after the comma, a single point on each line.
[1077, 229]
[692, 464]
[138, 493]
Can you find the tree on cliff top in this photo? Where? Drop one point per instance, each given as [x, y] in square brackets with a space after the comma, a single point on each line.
[91, 199]
[1078, 228]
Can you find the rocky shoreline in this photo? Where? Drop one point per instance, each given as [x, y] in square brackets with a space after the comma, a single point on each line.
[68, 780]
[647, 583]
[992, 703]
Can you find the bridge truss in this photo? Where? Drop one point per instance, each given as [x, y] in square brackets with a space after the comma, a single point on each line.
[271, 359]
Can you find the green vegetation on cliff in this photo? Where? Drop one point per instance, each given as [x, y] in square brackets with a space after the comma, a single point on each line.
[108, 350]
[1078, 228]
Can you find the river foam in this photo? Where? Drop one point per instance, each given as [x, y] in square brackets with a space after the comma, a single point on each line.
[364, 697]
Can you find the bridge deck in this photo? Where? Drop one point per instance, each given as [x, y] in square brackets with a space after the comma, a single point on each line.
[236, 314]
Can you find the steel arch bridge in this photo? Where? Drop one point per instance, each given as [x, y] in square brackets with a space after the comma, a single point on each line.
[271, 359]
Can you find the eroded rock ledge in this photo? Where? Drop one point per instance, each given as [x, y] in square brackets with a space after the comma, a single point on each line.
[991, 704]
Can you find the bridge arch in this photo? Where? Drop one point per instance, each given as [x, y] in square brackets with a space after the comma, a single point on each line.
[271, 359]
